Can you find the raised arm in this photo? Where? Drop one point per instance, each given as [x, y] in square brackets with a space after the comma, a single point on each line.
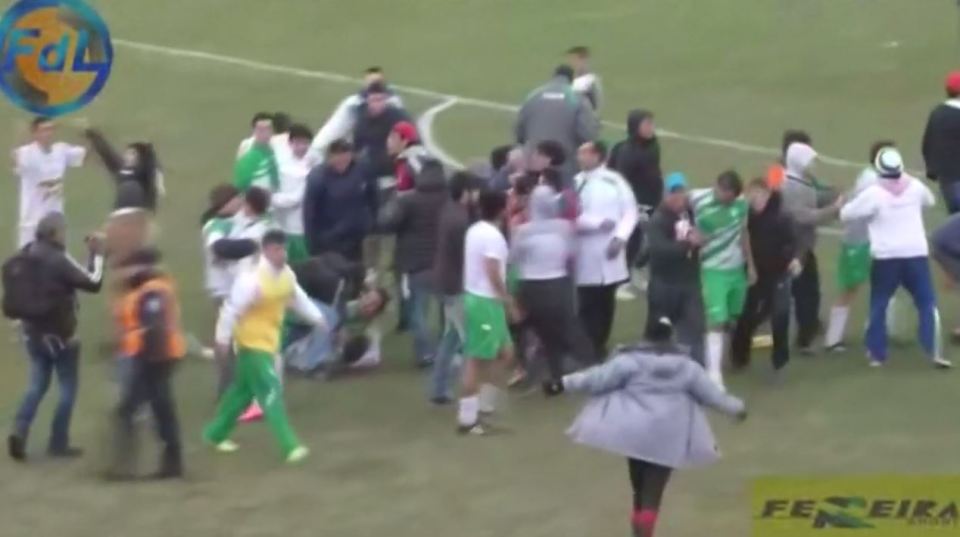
[111, 159]
[89, 278]
[339, 125]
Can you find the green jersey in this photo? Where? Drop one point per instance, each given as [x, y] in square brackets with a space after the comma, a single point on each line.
[257, 167]
[722, 228]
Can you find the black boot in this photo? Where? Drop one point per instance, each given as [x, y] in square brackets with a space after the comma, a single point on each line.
[17, 447]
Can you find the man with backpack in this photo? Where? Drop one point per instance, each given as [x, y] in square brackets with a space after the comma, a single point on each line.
[40, 283]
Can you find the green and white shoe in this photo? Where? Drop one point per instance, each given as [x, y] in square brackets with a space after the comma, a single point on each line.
[298, 454]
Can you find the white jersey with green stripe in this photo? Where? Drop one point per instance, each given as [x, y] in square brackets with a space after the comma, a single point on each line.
[722, 227]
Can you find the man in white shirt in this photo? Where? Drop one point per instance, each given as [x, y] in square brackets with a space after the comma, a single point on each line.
[287, 203]
[608, 215]
[893, 208]
[486, 306]
[41, 166]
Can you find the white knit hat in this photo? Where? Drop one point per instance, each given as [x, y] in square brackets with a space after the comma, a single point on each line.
[889, 163]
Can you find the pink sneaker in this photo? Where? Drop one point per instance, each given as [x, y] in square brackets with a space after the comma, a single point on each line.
[253, 413]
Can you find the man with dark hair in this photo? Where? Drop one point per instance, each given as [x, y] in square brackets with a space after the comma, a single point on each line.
[257, 166]
[941, 138]
[375, 120]
[608, 215]
[287, 203]
[448, 277]
[406, 149]
[487, 307]
[340, 205]
[555, 111]
[508, 162]
[726, 261]
[585, 81]
[50, 335]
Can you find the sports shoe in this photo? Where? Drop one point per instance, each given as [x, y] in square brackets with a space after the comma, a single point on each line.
[875, 363]
[626, 293]
[836, 347]
[442, 400]
[253, 413]
[68, 452]
[227, 446]
[298, 454]
[942, 363]
[477, 429]
[17, 447]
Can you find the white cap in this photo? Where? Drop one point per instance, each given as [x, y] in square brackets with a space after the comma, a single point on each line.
[889, 163]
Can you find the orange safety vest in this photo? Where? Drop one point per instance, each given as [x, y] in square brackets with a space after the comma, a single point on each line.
[128, 314]
[775, 176]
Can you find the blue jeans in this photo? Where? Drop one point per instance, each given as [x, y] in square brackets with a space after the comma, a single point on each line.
[313, 348]
[417, 289]
[445, 363]
[48, 355]
[886, 276]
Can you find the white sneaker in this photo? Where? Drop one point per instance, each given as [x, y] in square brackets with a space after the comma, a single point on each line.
[875, 363]
[942, 363]
[625, 293]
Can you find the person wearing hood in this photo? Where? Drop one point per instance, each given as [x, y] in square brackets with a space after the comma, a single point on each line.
[138, 164]
[801, 200]
[646, 404]
[416, 221]
[940, 141]
[638, 160]
[555, 111]
[674, 249]
[542, 250]
[893, 210]
[774, 247]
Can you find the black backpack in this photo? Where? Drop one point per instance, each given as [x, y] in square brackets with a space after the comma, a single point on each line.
[27, 288]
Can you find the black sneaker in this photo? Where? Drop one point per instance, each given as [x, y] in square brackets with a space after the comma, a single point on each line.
[68, 452]
[837, 347]
[441, 401]
[17, 447]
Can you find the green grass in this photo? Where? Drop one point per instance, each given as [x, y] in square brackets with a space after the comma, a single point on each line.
[383, 462]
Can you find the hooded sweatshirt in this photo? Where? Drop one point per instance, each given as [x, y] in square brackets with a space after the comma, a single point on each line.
[416, 220]
[638, 160]
[800, 195]
[893, 210]
[543, 246]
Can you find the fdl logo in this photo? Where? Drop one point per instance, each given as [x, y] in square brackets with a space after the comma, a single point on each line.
[56, 55]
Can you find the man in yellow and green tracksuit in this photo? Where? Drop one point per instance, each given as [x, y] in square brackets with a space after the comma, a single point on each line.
[252, 319]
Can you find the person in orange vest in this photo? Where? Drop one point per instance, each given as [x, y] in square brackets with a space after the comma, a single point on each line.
[151, 344]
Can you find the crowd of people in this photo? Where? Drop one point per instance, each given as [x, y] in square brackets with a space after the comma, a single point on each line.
[526, 257]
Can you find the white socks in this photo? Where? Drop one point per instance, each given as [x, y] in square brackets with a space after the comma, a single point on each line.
[715, 358]
[488, 398]
[468, 413]
[837, 326]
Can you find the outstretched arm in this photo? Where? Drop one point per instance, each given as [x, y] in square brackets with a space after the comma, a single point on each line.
[111, 159]
[600, 379]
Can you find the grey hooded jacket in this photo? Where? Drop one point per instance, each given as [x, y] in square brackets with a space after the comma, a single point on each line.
[555, 111]
[801, 197]
[646, 403]
[543, 247]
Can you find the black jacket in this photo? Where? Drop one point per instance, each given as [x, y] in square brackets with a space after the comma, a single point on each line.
[339, 208]
[773, 239]
[941, 143]
[370, 137]
[144, 176]
[329, 278]
[638, 161]
[66, 277]
[416, 221]
[672, 261]
[448, 263]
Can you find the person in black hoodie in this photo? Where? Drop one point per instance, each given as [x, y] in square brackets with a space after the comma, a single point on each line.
[138, 164]
[940, 142]
[774, 245]
[416, 221]
[375, 120]
[638, 160]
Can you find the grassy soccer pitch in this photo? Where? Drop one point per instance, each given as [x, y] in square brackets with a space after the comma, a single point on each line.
[384, 462]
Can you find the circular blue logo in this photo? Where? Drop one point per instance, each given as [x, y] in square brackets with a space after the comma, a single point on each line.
[57, 55]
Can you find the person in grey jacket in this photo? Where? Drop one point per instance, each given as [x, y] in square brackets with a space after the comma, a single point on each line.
[542, 251]
[802, 202]
[555, 111]
[646, 405]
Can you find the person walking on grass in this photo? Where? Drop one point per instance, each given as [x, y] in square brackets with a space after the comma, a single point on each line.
[674, 249]
[853, 265]
[151, 344]
[487, 307]
[608, 215]
[41, 167]
[40, 290]
[893, 209]
[726, 262]
[455, 219]
[251, 321]
[258, 166]
[774, 248]
[287, 202]
[940, 141]
[646, 404]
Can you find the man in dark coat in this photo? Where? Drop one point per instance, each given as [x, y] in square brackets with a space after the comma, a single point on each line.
[941, 144]
[375, 121]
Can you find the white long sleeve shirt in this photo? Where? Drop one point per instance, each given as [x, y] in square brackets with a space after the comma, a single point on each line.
[894, 217]
[341, 123]
[287, 203]
[246, 292]
[41, 174]
[604, 195]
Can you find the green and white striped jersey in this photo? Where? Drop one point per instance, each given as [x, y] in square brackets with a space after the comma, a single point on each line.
[722, 228]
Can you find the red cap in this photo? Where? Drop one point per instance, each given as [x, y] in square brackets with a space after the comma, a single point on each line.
[406, 131]
[953, 83]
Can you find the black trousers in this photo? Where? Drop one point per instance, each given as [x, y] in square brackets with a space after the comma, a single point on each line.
[146, 383]
[636, 254]
[597, 305]
[806, 301]
[769, 298]
[683, 305]
[648, 480]
[552, 316]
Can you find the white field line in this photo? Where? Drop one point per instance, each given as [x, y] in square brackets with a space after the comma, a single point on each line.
[425, 126]
[430, 94]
